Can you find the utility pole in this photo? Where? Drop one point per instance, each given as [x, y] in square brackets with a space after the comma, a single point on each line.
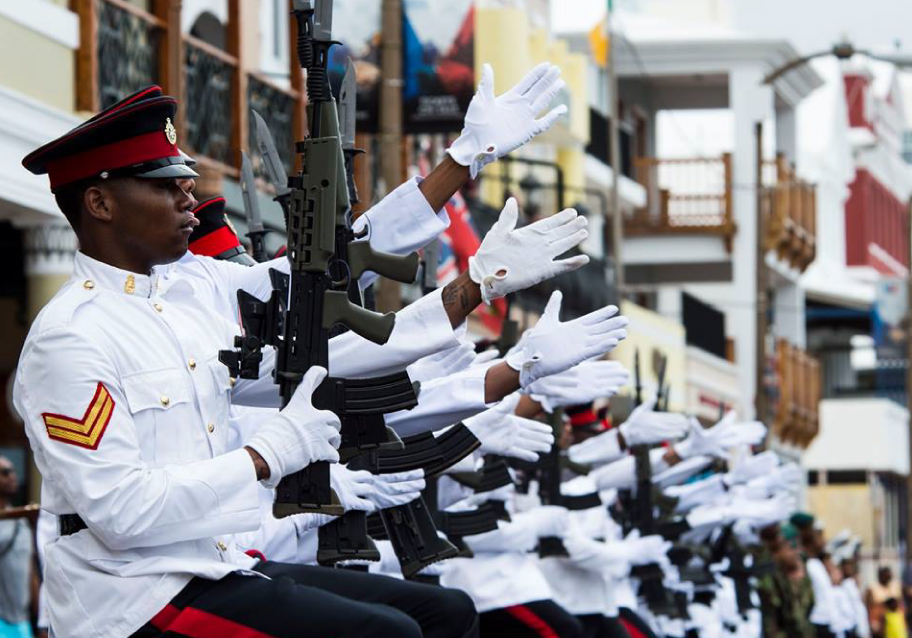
[908, 538]
[614, 150]
[762, 282]
[388, 292]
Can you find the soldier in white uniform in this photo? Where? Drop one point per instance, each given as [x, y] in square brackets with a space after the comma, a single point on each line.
[126, 405]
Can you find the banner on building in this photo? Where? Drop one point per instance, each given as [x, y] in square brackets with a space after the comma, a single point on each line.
[439, 64]
[891, 309]
[356, 25]
[891, 333]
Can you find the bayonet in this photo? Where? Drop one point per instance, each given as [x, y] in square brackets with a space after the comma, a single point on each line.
[275, 170]
[255, 229]
[348, 107]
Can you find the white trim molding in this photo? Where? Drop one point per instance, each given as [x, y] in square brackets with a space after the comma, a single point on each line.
[41, 16]
[26, 124]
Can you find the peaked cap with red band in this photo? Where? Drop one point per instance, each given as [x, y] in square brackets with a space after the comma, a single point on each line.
[132, 138]
[584, 416]
[215, 236]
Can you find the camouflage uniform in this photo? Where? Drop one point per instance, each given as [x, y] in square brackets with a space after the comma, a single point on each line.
[785, 606]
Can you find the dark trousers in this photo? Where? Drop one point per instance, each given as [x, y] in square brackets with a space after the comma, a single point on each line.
[822, 631]
[539, 619]
[598, 626]
[300, 601]
[635, 625]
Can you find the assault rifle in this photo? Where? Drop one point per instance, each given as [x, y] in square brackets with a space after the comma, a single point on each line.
[741, 567]
[349, 535]
[255, 229]
[642, 517]
[305, 305]
[547, 471]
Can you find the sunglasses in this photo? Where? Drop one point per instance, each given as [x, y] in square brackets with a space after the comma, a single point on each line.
[6, 471]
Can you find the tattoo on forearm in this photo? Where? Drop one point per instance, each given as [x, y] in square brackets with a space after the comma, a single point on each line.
[460, 297]
[456, 296]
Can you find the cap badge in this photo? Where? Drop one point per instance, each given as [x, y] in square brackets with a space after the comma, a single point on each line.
[170, 131]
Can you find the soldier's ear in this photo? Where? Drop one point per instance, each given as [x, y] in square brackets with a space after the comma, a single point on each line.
[98, 203]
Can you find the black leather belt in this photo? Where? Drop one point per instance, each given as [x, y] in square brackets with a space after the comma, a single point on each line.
[71, 523]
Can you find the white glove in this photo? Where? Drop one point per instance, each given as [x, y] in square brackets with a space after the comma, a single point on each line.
[502, 432]
[366, 492]
[511, 259]
[483, 358]
[602, 448]
[351, 488]
[495, 126]
[698, 493]
[596, 556]
[616, 557]
[399, 488]
[513, 536]
[584, 383]
[783, 479]
[553, 346]
[546, 520]
[646, 549]
[760, 513]
[752, 467]
[720, 438]
[645, 425]
[299, 434]
[443, 363]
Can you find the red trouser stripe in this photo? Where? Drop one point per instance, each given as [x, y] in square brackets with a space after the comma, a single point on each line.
[631, 629]
[196, 623]
[531, 620]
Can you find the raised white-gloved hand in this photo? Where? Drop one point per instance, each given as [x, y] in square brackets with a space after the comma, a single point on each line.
[782, 480]
[583, 383]
[758, 465]
[443, 363]
[646, 426]
[698, 493]
[760, 513]
[553, 346]
[720, 438]
[511, 259]
[495, 126]
[502, 432]
[299, 434]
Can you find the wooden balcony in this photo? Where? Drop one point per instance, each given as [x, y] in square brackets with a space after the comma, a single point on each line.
[790, 207]
[796, 419]
[684, 196]
[125, 47]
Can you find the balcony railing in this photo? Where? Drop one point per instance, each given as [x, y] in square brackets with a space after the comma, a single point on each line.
[795, 418]
[684, 196]
[277, 106]
[790, 207]
[124, 47]
[209, 75]
[128, 50]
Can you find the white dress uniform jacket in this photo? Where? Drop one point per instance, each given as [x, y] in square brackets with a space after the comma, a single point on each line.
[126, 407]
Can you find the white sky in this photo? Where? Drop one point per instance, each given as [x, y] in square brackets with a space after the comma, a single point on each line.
[810, 26]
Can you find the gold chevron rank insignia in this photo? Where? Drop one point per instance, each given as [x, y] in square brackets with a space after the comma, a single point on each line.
[87, 431]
